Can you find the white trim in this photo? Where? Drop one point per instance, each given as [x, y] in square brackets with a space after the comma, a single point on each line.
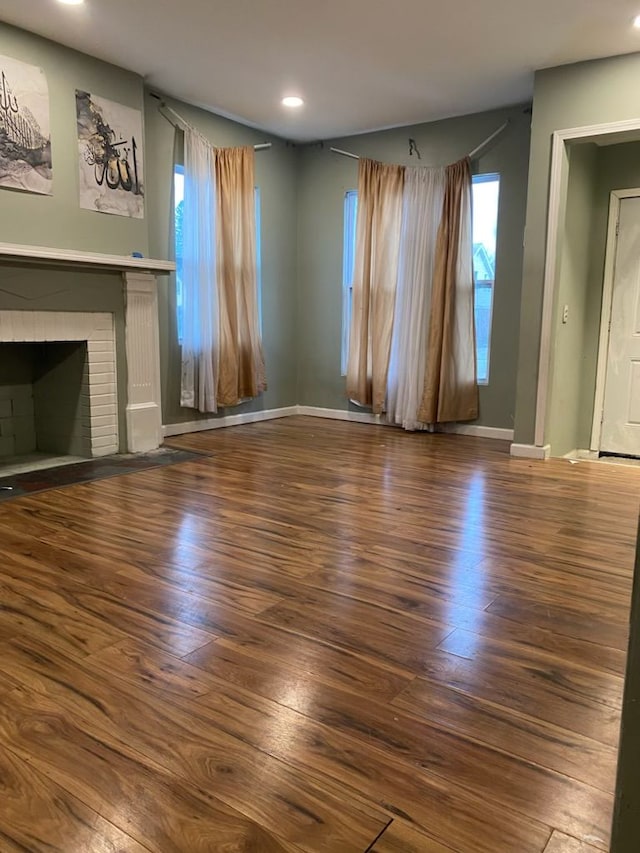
[530, 451]
[64, 257]
[498, 433]
[605, 317]
[339, 415]
[317, 412]
[144, 407]
[583, 455]
[560, 138]
[227, 421]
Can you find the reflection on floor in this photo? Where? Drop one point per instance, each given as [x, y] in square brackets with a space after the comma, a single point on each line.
[320, 637]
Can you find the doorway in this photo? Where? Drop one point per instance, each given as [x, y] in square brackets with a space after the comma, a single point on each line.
[580, 339]
[616, 417]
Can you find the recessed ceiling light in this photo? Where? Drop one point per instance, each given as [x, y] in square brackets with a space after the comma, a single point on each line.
[292, 101]
[71, 2]
[636, 22]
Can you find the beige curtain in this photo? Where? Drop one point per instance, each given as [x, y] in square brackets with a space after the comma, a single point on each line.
[374, 281]
[450, 389]
[241, 369]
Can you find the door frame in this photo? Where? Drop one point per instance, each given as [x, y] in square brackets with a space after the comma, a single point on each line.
[618, 131]
[615, 200]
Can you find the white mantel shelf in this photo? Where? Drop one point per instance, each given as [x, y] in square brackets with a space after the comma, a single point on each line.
[70, 257]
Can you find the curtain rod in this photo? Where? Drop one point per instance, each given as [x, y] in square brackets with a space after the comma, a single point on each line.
[177, 121]
[472, 154]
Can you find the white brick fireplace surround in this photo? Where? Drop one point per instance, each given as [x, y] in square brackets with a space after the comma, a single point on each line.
[98, 397]
[99, 393]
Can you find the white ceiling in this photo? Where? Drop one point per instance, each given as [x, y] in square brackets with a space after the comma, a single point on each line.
[359, 64]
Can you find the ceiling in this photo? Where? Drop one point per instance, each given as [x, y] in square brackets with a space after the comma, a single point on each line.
[359, 64]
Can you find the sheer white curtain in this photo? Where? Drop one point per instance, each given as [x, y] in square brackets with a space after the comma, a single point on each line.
[421, 214]
[201, 317]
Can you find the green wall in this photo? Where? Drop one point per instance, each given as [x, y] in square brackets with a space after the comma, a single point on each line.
[577, 95]
[276, 175]
[58, 220]
[324, 178]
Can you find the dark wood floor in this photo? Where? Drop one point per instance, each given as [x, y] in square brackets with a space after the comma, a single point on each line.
[322, 637]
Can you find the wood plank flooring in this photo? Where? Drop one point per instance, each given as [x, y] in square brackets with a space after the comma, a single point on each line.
[322, 637]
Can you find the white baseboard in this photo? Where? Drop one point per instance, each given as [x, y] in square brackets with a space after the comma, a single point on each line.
[339, 414]
[531, 451]
[228, 420]
[588, 454]
[368, 418]
[317, 412]
[499, 433]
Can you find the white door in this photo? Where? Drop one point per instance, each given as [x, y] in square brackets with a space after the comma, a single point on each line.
[621, 413]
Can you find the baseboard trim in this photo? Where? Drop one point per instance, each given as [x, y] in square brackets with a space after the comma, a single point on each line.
[228, 421]
[530, 451]
[318, 412]
[368, 418]
[339, 414]
[498, 433]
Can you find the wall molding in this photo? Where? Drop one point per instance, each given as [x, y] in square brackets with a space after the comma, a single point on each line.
[497, 433]
[228, 421]
[339, 414]
[318, 412]
[530, 451]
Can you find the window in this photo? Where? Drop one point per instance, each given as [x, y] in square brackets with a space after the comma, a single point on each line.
[348, 258]
[178, 198]
[485, 194]
[486, 191]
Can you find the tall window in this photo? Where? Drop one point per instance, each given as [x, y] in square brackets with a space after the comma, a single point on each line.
[178, 199]
[485, 195]
[486, 192]
[348, 258]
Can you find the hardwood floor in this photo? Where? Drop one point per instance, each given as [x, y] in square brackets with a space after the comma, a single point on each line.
[321, 636]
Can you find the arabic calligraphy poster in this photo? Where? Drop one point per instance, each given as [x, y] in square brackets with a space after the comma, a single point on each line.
[25, 136]
[110, 156]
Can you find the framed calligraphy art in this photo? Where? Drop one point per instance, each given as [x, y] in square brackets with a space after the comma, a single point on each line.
[25, 135]
[110, 156]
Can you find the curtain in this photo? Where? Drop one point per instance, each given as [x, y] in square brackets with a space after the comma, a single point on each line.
[450, 390]
[241, 371]
[200, 307]
[421, 213]
[374, 281]
[222, 358]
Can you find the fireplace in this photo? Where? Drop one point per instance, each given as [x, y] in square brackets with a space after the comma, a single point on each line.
[58, 383]
[86, 382]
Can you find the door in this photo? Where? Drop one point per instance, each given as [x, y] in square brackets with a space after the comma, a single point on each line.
[621, 412]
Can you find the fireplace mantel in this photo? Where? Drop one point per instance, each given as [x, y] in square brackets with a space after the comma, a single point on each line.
[17, 253]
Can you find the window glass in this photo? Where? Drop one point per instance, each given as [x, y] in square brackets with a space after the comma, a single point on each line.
[178, 198]
[486, 192]
[348, 259]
